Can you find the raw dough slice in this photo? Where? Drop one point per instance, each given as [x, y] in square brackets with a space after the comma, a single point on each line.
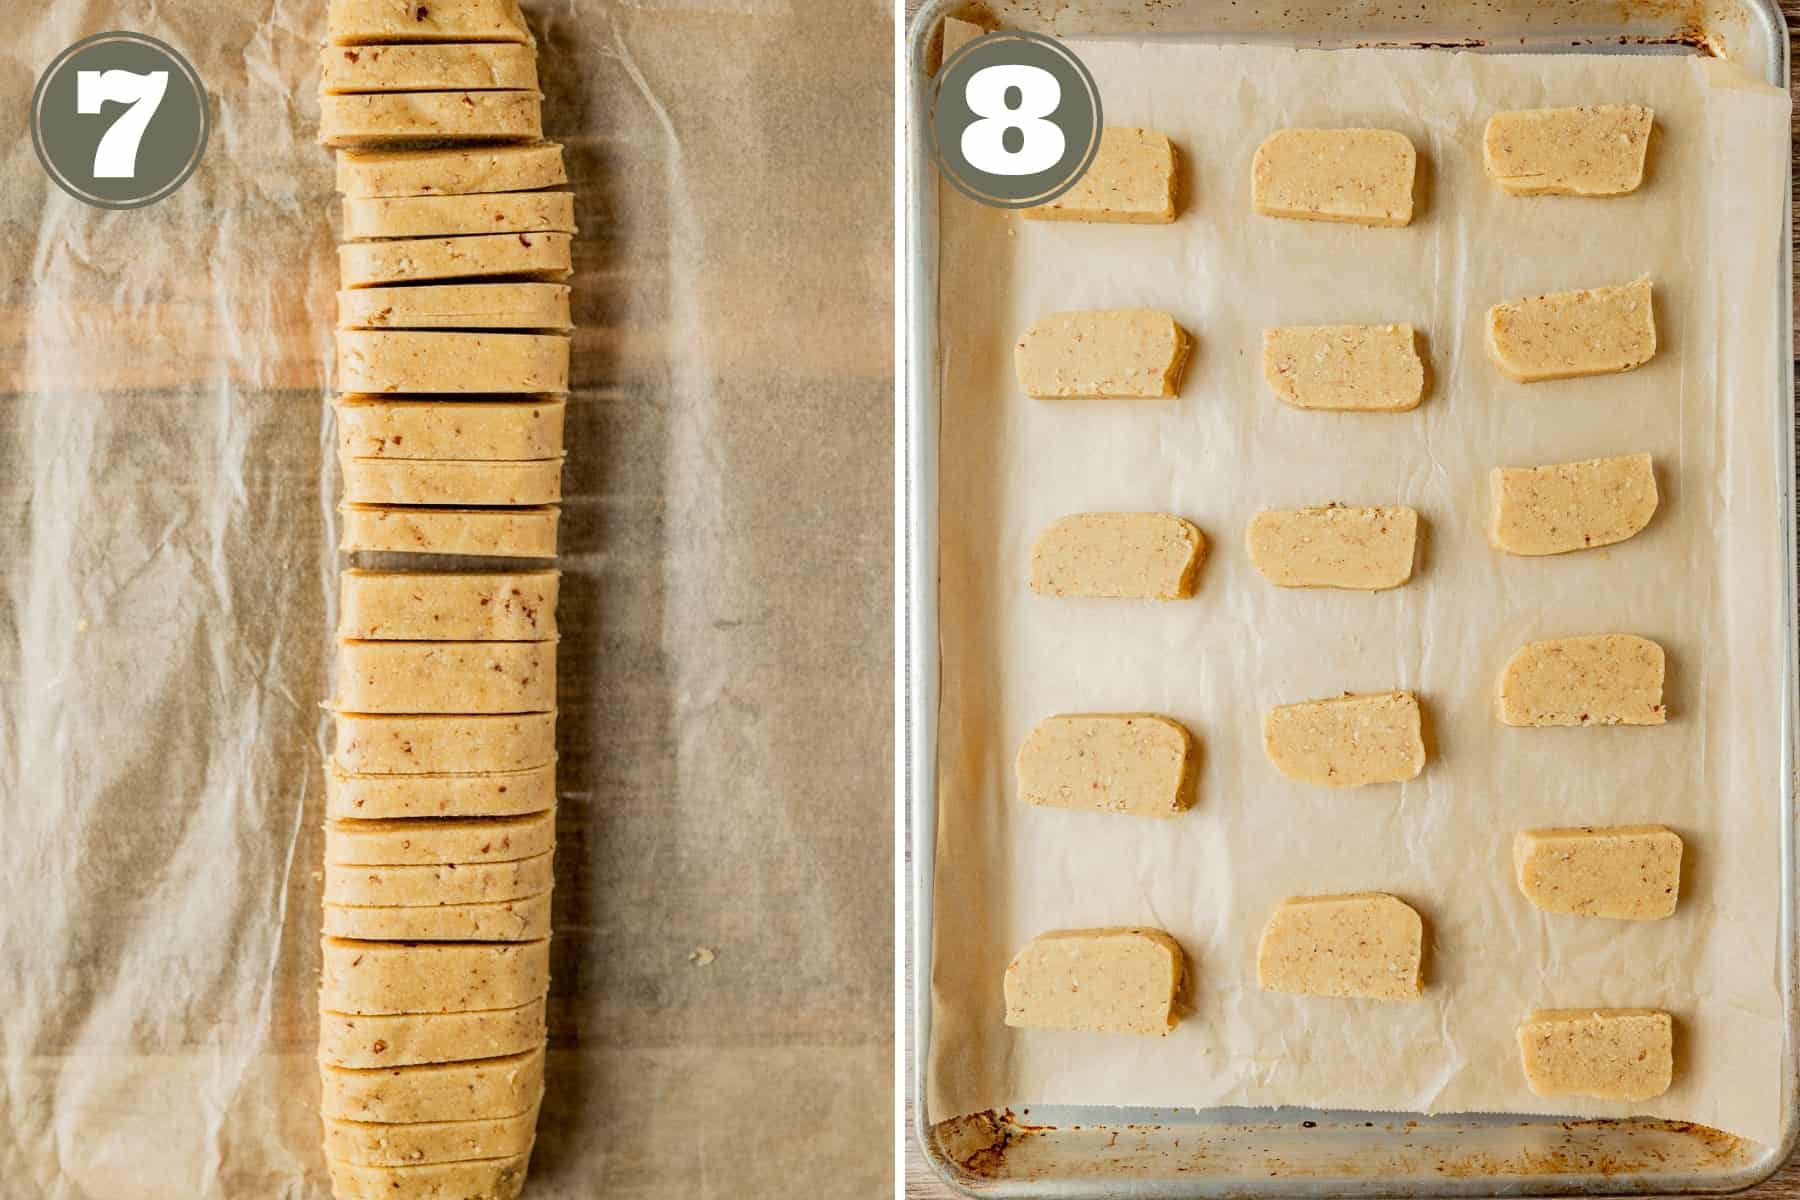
[1136, 763]
[496, 255]
[479, 532]
[444, 606]
[1117, 353]
[427, 67]
[429, 1142]
[1621, 872]
[1347, 741]
[490, 431]
[1603, 679]
[1366, 944]
[383, 361]
[1114, 980]
[477, 1179]
[388, 118]
[389, 843]
[398, 1040]
[1131, 181]
[356, 21]
[522, 920]
[431, 977]
[452, 482]
[1593, 151]
[450, 171]
[1361, 549]
[1361, 176]
[1572, 506]
[369, 217]
[1151, 556]
[446, 677]
[370, 745]
[1603, 1053]
[460, 1091]
[496, 794]
[456, 306]
[1595, 331]
[425, 886]
[1344, 368]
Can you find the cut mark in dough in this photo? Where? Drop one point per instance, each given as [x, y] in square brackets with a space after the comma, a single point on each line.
[1359, 176]
[460, 1091]
[452, 482]
[1572, 506]
[1147, 556]
[392, 842]
[1367, 944]
[421, 885]
[451, 171]
[456, 306]
[1131, 181]
[1347, 741]
[1565, 335]
[448, 606]
[360, 978]
[428, 67]
[476, 1179]
[1334, 546]
[406, 1039]
[483, 532]
[1601, 679]
[537, 256]
[1619, 872]
[1601, 1053]
[493, 794]
[373, 217]
[523, 920]
[1132, 353]
[446, 677]
[448, 745]
[1136, 763]
[397, 118]
[1111, 980]
[1345, 368]
[367, 1144]
[1591, 151]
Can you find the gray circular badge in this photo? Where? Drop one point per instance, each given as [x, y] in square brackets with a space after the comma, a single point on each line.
[1015, 119]
[120, 120]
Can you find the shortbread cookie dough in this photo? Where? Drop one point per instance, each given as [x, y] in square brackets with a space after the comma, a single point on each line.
[446, 606]
[446, 677]
[1571, 506]
[1595, 331]
[1113, 980]
[1361, 176]
[1131, 181]
[1592, 151]
[483, 532]
[384, 361]
[423, 886]
[1365, 944]
[391, 843]
[1116, 353]
[402, 1039]
[375, 1145]
[452, 482]
[504, 305]
[1603, 679]
[1334, 546]
[1602, 1053]
[496, 794]
[460, 1091]
[428, 67]
[476, 1179]
[370, 217]
[361, 978]
[1135, 763]
[352, 22]
[522, 920]
[450, 171]
[1345, 368]
[1347, 741]
[1620, 872]
[375, 745]
[542, 256]
[1151, 556]
[472, 430]
[389, 118]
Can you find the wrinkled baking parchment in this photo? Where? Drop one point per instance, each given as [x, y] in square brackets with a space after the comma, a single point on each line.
[721, 1008]
[1704, 580]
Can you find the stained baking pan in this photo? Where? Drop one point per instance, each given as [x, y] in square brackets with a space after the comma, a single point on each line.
[1080, 1151]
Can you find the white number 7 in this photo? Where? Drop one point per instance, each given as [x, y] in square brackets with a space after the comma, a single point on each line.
[116, 155]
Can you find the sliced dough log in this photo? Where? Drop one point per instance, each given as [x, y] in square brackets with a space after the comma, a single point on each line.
[1602, 679]
[460, 1091]
[451, 171]
[1365, 944]
[389, 118]
[376, 1145]
[487, 256]
[1334, 546]
[1347, 741]
[1111, 980]
[477, 532]
[1345, 368]
[1564, 335]
[404, 1039]
[1152, 556]
[394, 842]
[446, 677]
[1131, 181]
[476, 1179]
[448, 606]
[1572, 506]
[369, 217]
[506, 305]
[464, 483]
[1132, 353]
[411, 361]
[353, 22]
[361, 978]
[409, 745]
[1603, 1053]
[1620, 872]
[1361, 176]
[427, 67]
[464, 430]
[495, 794]
[423, 886]
[523, 920]
[1135, 763]
[1591, 151]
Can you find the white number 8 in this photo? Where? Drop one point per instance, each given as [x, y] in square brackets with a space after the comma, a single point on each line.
[983, 142]
[116, 155]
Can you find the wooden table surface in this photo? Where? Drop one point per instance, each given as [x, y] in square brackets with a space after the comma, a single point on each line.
[922, 1184]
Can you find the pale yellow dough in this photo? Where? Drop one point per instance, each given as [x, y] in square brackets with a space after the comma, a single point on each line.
[1131, 181]
[378, 1145]
[539, 256]
[361, 978]
[1113, 980]
[462, 482]
[368, 217]
[1591, 151]
[459, 1091]
[1345, 368]
[1602, 679]
[1602, 1053]
[451, 171]
[484, 532]
[390, 843]
[1366, 944]
[426, 66]
[385, 361]
[428, 885]
[1334, 546]
[376, 745]
[446, 606]
[522, 920]
[1564, 335]
[394, 118]
[1360, 176]
[404, 1039]
[477, 1179]
[1347, 741]
[1620, 872]
[1134, 763]
[352, 22]
[503, 305]
[446, 677]
[1150, 556]
[1571, 506]
[1132, 353]
[472, 430]
[494, 794]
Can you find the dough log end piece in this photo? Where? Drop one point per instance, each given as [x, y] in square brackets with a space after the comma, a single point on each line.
[1621, 873]
[1366, 944]
[1592, 151]
[1602, 679]
[1600, 1053]
[1136, 763]
[1147, 556]
[1347, 741]
[1112, 980]
[1135, 354]
[1572, 506]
